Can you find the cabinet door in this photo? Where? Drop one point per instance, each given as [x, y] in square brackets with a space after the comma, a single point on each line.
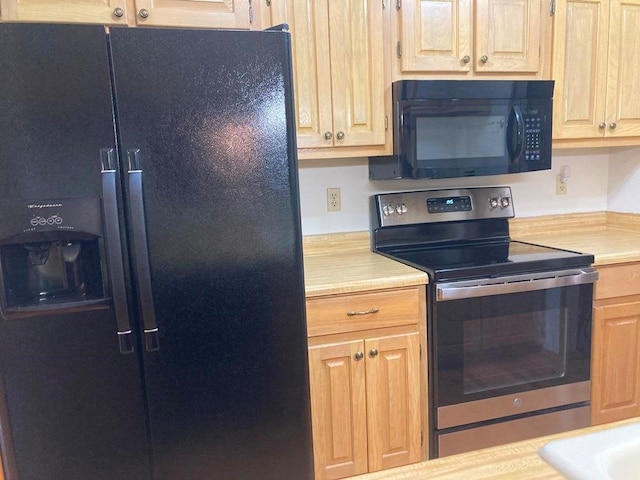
[357, 72]
[393, 400]
[309, 27]
[65, 11]
[436, 35]
[623, 97]
[339, 410]
[507, 36]
[339, 70]
[579, 68]
[193, 13]
[615, 363]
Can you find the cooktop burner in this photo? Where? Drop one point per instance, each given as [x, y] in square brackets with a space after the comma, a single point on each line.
[460, 233]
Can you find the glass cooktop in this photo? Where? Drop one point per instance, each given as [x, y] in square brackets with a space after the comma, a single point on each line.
[488, 259]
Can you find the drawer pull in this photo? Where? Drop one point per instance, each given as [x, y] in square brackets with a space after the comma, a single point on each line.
[353, 313]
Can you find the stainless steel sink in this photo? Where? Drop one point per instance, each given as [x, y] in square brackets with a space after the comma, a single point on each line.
[610, 454]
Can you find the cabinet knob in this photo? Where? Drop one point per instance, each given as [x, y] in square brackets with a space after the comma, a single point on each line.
[602, 125]
[328, 135]
[613, 125]
[359, 356]
[118, 12]
[144, 13]
[373, 352]
[466, 59]
[484, 59]
[340, 135]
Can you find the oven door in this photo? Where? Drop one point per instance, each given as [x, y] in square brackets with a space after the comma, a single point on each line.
[510, 345]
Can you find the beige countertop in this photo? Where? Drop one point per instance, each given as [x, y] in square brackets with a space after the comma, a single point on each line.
[344, 263]
[611, 237]
[514, 461]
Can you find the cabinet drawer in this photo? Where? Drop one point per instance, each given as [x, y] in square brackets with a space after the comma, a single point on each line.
[618, 281]
[362, 311]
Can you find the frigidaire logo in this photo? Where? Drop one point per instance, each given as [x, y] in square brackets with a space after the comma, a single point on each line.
[44, 205]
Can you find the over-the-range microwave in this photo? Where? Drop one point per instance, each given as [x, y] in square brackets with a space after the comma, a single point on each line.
[464, 128]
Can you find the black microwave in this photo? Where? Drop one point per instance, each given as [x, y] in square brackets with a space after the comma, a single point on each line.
[466, 128]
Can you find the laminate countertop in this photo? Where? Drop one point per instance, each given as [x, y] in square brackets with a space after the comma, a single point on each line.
[344, 263]
[514, 461]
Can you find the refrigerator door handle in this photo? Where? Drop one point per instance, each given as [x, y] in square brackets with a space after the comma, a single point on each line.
[141, 252]
[114, 250]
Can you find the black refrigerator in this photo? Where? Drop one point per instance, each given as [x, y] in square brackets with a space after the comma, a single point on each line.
[151, 289]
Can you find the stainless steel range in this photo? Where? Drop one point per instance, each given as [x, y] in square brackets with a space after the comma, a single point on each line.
[509, 322]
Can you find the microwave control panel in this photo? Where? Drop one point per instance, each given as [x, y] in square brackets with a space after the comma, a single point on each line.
[533, 126]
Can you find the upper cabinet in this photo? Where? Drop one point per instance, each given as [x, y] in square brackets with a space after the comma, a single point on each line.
[463, 38]
[193, 13]
[178, 13]
[339, 75]
[66, 11]
[597, 71]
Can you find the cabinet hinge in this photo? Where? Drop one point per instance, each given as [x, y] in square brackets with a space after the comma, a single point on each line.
[398, 4]
[552, 7]
[384, 4]
[399, 49]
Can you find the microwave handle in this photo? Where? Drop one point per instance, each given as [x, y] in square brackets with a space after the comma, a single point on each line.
[519, 127]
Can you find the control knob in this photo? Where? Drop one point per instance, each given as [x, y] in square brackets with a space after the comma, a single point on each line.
[388, 210]
[401, 209]
[505, 202]
[493, 202]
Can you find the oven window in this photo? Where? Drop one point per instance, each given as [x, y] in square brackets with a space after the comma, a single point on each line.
[502, 344]
[506, 350]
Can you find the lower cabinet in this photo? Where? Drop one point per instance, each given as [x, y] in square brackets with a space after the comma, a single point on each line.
[616, 345]
[366, 388]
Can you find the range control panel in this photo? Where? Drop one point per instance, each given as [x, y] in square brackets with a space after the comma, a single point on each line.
[447, 205]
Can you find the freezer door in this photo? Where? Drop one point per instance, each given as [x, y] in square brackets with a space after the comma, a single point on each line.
[72, 404]
[209, 114]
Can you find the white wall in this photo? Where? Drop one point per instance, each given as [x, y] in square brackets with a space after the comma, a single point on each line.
[533, 193]
[624, 180]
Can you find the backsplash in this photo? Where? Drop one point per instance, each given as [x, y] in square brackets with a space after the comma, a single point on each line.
[594, 185]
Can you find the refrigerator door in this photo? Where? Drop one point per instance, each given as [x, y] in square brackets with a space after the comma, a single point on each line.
[72, 403]
[209, 114]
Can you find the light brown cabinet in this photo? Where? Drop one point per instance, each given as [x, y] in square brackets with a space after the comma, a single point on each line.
[616, 345]
[339, 74]
[597, 69]
[466, 38]
[178, 13]
[368, 381]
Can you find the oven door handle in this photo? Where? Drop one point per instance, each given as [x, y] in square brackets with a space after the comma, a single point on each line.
[514, 284]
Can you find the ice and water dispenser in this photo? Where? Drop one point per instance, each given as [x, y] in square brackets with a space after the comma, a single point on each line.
[50, 253]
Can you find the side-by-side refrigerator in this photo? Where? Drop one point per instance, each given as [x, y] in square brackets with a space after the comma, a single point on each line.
[151, 289]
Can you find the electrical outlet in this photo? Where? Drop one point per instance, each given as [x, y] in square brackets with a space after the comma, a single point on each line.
[334, 202]
[561, 187]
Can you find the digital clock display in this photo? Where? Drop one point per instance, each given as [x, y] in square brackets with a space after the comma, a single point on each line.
[448, 204]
